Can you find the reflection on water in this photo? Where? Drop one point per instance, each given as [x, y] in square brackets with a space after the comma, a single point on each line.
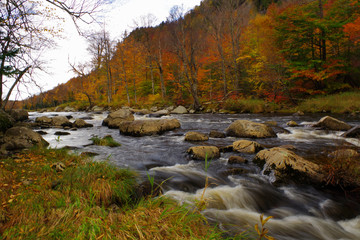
[235, 202]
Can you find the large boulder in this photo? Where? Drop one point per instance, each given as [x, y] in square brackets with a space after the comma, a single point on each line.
[60, 121]
[6, 121]
[352, 133]
[288, 166]
[19, 114]
[179, 110]
[204, 152]
[43, 120]
[114, 119]
[246, 146]
[330, 123]
[248, 129]
[196, 137]
[18, 138]
[140, 128]
[80, 123]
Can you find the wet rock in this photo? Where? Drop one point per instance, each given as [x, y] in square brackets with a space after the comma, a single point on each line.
[18, 138]
[59, 166]
[226, 149]
[216, 134]
[246, 146]
[140, 128]
[43, 120]
[196, 136]
[245, 128]
[192, 111]
[236, 160]
[292, 124]
[80, 123]
[234, 171]
[59, 133]
[299, 113]
[6, 121]
[344, 154]
[141, 112]
[352, 133]
[159, 114]
[271, 123]
[278, 129]
[288, 166]
[330, 123]
[61, 121]
[69, 109]
[97, 109]
[288, 147]
[42, 132]
[19, 114]
[202, 152]
[179, 110]
[114, 119]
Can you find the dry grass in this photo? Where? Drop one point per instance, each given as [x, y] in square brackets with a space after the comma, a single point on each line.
[87, 200]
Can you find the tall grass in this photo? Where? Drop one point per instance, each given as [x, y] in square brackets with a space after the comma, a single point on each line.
[338, 103]
[88, 200]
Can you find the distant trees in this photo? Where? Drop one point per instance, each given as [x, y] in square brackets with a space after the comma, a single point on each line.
[229, 49]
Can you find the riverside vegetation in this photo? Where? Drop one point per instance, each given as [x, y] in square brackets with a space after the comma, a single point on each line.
[83, 199]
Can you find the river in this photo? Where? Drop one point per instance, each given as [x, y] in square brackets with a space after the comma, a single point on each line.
[234, 202]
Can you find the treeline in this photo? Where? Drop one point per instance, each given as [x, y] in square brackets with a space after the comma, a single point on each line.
[276, 50]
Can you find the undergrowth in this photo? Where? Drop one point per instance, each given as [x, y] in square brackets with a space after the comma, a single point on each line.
[347, 102]
[86, 200]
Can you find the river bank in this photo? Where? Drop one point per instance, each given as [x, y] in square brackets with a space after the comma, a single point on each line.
[342, 103]
[51, 194]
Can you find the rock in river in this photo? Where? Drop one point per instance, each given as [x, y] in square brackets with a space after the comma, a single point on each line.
[288, 166]
[196, 136]
[331, 123]
[246, 146]
[140, 128]
[202, 152]
[114, 119]
[245, 128]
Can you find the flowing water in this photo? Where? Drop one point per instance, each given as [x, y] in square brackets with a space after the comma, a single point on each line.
[235, 202]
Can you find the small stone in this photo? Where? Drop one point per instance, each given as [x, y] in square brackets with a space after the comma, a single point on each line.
[236, 160]
[292, 124]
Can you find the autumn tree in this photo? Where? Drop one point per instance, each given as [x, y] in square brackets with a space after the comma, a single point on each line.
[24, 35]
[186, 37]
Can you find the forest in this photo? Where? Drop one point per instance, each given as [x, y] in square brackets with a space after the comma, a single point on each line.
[281, 51]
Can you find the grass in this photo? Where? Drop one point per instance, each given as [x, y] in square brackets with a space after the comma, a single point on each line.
[338, 103]
[87, 200]
[105, 141]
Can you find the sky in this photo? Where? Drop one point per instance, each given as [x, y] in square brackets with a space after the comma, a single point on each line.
[117, 17]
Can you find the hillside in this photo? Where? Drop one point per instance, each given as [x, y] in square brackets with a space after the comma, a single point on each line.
[280, 51]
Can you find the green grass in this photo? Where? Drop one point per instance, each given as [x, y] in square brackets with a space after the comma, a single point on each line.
[105, 141]
[88, 200]
[338, 103]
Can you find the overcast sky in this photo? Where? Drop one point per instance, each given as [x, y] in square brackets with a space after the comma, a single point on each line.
[119, 16]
